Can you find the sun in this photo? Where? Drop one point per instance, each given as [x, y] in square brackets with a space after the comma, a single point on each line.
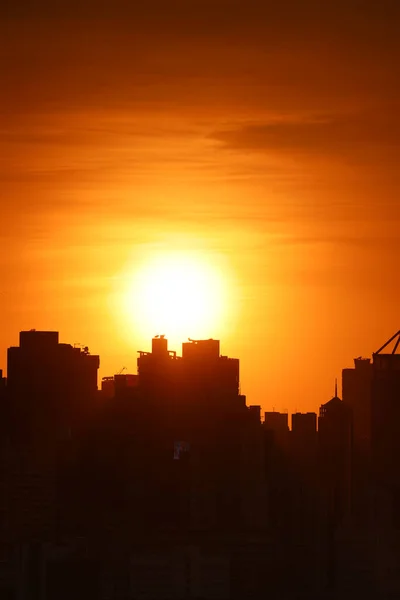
[179, 295]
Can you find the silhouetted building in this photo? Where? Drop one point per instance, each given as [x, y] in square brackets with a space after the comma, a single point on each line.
[4, 406]
[277, 424]
[304, 426]
[201, 350]
[51, 394]
[108, 387]
[255, 412]
[119, 386]
[335, 453]
[385, 433]
[356, 393]
[303, 441]
[278, 476]
[165, 483]
[186, 436]
[335, 462]
[204, 368]
[3, 382]
[52, 387]
[303, 545]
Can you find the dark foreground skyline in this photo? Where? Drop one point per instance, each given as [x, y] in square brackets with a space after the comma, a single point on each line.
[267, 402]
[227, 168]
[165, 484]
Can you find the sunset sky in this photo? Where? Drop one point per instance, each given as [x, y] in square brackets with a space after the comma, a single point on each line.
[261, 138]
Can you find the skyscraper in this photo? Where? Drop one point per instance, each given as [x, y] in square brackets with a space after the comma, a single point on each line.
[335, 454]
[356, 393]
[51, 384]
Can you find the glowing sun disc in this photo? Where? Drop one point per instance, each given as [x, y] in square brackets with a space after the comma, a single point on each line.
[179, 295]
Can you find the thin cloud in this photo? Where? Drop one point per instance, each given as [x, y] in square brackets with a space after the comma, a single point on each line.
[338, 135]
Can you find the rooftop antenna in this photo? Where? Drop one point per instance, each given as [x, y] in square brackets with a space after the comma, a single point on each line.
[336, 387]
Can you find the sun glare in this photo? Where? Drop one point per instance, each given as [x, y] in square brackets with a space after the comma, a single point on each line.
[178, 295]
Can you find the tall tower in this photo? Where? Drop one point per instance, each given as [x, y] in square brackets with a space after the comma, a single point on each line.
[356, 392]
[51, 386]
[385, 420]
[335, 453]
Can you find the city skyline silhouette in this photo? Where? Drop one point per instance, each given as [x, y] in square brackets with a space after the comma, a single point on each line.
[167, 484]
[200, 217]
[391, 345]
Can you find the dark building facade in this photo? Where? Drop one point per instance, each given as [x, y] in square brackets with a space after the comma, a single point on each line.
[385, 439]
[356, 393]
[335, 454]
[304, 438]
[202, 422]
[52, 386]
[164, 483]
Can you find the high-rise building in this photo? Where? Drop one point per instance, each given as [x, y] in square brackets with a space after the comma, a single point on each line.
[372, 391]
[192, 385]
[255, 411]
[50, 383]
[3, 403]
[385, 438]
[303, 440]
[335, 461]
[357, 396]
[356, 393]
[205, 368]
[51, 394]
[277, 424]
[3, 381]
[119, 386]
[335, 454]
[200, 426]
[304, 425]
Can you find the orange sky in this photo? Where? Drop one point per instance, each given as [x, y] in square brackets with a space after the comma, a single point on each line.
[264, 137]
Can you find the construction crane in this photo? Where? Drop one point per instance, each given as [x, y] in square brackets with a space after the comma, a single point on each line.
[390, 340]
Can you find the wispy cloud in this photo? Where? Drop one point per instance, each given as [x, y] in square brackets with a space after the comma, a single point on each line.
[351, 136]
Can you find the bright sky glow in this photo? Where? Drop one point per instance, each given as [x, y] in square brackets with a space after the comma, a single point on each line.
[176, 294]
